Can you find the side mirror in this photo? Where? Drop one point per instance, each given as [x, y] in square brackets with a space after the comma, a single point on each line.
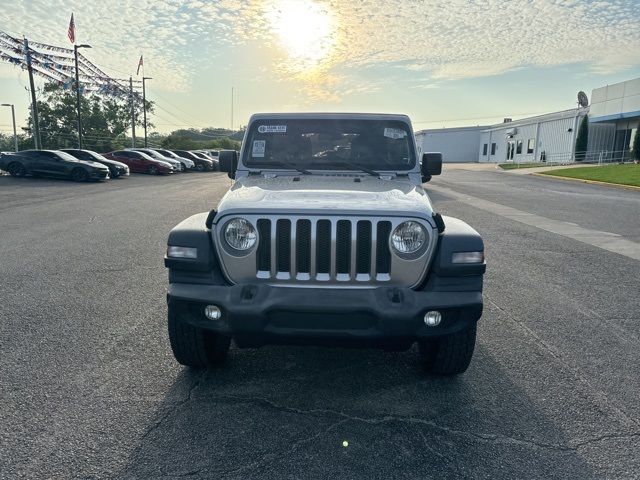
[228, 161]
[431, 165]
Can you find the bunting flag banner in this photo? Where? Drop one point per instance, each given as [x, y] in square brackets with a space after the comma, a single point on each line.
[71, 33]
[55, 64]
[140, 64]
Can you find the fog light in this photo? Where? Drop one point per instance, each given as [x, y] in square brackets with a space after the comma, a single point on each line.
[432, 319]
[212, 312]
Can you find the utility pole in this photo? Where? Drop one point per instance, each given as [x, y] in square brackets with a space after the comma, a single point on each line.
[75, 56]
[13, 117]
[232, 109]
[133, 114]
[34, 106]
[144, 108]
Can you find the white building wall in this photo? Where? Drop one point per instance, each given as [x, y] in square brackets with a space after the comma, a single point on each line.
[557, 140]
[456, 144]
[616, 100]
[554, 134]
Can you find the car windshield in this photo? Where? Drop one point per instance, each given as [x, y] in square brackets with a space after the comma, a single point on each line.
[152, 154]
[67, 156]
[382, 145]
[167, 153]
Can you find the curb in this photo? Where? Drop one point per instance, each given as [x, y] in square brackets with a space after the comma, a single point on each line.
[592, 182]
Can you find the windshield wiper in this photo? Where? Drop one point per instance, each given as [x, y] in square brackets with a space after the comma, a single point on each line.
[355, 166]
[292, 166]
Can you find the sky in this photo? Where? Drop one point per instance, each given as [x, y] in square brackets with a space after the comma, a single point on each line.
[445, 64]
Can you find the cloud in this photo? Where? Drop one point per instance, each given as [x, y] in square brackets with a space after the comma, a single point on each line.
[444, 40]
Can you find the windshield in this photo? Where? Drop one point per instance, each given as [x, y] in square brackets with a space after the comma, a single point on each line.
[330, 144]
[67, 156]
[152, 154]
[167, 153]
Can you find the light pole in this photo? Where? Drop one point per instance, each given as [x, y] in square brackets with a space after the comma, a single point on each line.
[75, 56]
[144, 109]
[13, 116]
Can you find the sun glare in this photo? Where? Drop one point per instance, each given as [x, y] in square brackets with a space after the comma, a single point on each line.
[304, 28]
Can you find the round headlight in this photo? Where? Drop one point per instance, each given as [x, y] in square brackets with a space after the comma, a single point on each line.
[408, 237]
[240, 234]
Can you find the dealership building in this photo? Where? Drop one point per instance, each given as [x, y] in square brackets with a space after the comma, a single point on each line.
[617, 108]
[613, 120]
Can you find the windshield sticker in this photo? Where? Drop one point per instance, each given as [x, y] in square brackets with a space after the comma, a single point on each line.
[258, 148]
[272, 129]
[394, 133]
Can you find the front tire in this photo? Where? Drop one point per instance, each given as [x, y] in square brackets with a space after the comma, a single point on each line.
[196, 347]
[17, 170]
[79, 175]
[449, 354]
[183, 167]
[153, 170]
[200, 167]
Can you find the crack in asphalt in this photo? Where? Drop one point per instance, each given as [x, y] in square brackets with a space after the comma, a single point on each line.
[597, 393]
[172, 408]
[485, 437]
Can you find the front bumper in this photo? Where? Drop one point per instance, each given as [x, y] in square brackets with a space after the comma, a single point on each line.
[99, 175]
[263, 314]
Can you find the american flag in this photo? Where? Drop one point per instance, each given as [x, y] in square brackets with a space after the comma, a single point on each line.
[140, 64]
[71, 33]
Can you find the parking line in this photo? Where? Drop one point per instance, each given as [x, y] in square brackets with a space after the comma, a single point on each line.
[611, 242]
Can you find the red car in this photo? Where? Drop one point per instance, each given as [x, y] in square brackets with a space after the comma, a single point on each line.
[140, 162]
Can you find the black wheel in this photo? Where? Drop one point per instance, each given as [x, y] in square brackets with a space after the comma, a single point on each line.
[195, 347]
[17, 170]
[183, 167]
[115, 173]
[153, 170]
[200, 167]
[449, 354]
[79, 175]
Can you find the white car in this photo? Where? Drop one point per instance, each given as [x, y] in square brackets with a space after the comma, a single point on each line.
[177, 166]
[187, 163]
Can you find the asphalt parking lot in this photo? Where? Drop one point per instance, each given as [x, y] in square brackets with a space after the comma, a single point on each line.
[89, 388]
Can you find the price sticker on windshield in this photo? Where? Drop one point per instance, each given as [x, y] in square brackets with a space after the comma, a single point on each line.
[272, 129]
[258, 148]
[394, 133]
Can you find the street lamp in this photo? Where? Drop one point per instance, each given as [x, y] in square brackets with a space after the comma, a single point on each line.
[13, 116]
[75, 56]
[144, 108]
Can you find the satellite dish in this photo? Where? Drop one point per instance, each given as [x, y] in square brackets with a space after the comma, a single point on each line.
[583, 100]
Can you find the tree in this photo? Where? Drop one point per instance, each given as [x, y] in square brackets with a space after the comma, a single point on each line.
[582, 139]
[193, 139]
[105, 119]
[636, 145]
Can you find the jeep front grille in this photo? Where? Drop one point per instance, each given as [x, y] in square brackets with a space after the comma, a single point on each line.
[323, 249]
[316, 250]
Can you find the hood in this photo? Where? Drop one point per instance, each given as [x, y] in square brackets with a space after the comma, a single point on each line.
[98, 165]
[322, 194]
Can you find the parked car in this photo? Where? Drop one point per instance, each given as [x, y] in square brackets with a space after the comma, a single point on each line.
[202, 164]
[140, 162]
[353, 225]
[116, 169]
[177, 166]
[52, 163]
[216, 165]
[188, 164]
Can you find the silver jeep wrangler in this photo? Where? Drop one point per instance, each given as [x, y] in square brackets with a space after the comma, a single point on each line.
[326, 238]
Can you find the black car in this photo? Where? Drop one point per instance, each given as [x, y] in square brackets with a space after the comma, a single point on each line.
[216, 164]
[201, 163]
[116, 169]
[187, 163]
[52, 163]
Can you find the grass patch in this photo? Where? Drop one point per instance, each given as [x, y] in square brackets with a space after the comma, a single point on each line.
[513, 166]
[628, 174]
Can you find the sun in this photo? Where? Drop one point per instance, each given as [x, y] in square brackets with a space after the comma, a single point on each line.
[304, 28]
